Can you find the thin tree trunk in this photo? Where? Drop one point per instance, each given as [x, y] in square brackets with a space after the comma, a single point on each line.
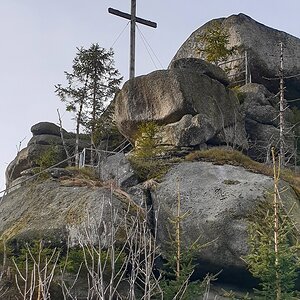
[63, 140]
[78, 121]
[281, 111]
[276, 174]
[93, 127]
[177, 235]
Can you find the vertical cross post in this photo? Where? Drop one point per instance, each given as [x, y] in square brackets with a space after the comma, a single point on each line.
[133, 20]
[132, 40]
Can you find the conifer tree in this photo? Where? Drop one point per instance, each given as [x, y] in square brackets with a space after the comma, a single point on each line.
[91, 84]
[216, 43]
[180, 262]
[273, 254]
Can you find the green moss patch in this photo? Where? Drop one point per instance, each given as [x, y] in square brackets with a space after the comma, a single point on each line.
[231, 182]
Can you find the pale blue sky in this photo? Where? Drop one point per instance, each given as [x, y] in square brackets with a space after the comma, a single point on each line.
[39, 40]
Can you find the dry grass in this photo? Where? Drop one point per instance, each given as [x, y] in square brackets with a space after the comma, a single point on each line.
[81, 177]
[86, 177]
[151, 168]
[236, 158]
[80, 182]
[86, 172]
[230, 157]
[128, 201]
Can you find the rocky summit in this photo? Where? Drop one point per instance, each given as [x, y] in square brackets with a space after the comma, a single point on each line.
[204, 174]
[262, 44]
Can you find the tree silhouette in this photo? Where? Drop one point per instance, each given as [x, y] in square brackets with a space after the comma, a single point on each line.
[90, 86]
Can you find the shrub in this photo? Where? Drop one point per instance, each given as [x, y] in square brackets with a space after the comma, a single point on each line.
[240, 95]
[30, 254]
[48, 158]
[273, 255]
[83, 257]
[262, 256]
[147, 143]
[151, 168]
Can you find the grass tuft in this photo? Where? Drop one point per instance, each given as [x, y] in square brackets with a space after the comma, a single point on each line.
[85, 173]
[151, 168]
[230, 157]
[81, 177]
[236, 158]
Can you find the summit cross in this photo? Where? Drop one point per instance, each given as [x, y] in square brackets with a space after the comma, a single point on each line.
[133, 20]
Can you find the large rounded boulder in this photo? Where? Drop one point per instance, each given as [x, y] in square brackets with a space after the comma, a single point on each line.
[57, 210]
[192, 107]
[262, 44]
[46, 140]
[218, 201]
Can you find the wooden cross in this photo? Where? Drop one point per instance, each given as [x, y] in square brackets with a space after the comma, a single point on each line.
[133, 20]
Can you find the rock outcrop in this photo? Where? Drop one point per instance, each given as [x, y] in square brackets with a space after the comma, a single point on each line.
[55, 211]
[219, 200]
[47, 128]
[27, 159]
[192, 107]
[261, 111]
[116, 168]
[262, 45]
[200, 66]
[46, 136]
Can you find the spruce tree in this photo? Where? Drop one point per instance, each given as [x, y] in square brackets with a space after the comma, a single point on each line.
[273, 247]
[90, 86]
[216, 43]
[180, 262]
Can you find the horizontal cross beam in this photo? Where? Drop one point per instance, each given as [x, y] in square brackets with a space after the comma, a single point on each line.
[128, 16]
